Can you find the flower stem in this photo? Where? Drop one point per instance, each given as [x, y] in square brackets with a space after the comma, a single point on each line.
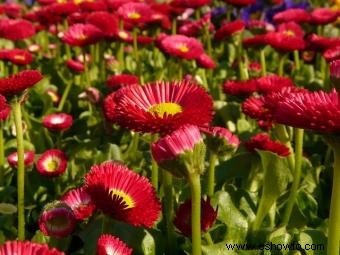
[86, 69]
[168, 211]
[297, 60]
[21, 169]
[211, 174]
[195, 185]
[263, 63]
[282, 58]
[65, 95]
[2, 154]
[297, 175]
[264, 206]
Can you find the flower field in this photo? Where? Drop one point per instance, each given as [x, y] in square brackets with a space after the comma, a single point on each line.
[170, 127]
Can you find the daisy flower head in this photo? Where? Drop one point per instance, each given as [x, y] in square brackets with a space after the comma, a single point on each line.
[135, 13]
[123, 194]
[108, 244]
[334, 69]
[57, 121]
[27, 248]
[28, 159]
[16, 29]
[52, 163]
[82, 35]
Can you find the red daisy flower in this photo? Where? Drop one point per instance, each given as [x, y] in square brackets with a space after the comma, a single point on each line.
[221, 141]
[255, 67]
[334, 69]
[168, 151]
[80, 202]
[263, 142]
[77, 17]
[62, 9]
[28, 159]
[295, 15]
[108, 244]
[182, 219]
[90, 94]
[332, 53]
[123, 194]
[285, 42]
[260, 26]
[323, 16]
[5, 109]
[240, 88]
[17, 83]
[318, 111]
[120, 80]
[27, 248]
[57, 121]
[109, 107]
[229, 29]
[105, 21]
[57, 219]
[13, 10]
[272, 83]
[135, 13]
[75, 65]
[92, 6]
[52, 163]
[240, 2]
[205, 61]
[320, 43]
[82, 35]
[15, 30]
[291, 29]
[254, 108]
[190, 3]
[18, 56]
[181, 46]
[163, 106]
[256, 41]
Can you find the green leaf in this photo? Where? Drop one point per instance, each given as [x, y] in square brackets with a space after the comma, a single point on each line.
[282, 237]
[148, 244]
[313, 237]
[217, 249]
[243, 126]
[7, 208]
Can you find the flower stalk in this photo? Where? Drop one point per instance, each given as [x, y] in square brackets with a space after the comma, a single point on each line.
[211, 174]
[2, 153]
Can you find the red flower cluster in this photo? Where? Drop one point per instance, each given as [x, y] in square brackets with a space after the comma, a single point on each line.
[82, 35]
[27, 248]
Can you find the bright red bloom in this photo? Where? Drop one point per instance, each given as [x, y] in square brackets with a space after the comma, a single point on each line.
[109, 107]
[77, 17]
[323, 16]
[92, 6]
[196, 27]
[62, 9]
[19, 56]
[295, 15]
[15, 30]
[82, 35]
[291, 29]
[135, 13]
[80, 202]
[255, 67]
[5, 109]
[263, 142]
[318, 111]
[320, 43]
[272, 83]
[256, 41]
[57, 121]
[27, 248]
[28, 159]
[17, 83]
[334, 69]
[332, 53]
[205, 61]
[254, 107]
[259, 26]
[57, 219]
[75, 65]
[229, 29]
[182, 46]
[240, 88]
[182, 219]
[108, 244]
[240, 2]
[190, 3]
[285, 42]
[52, 163]
[162, 107]
[13, 10]
[105, 21]
[120, 80]
[123, 194]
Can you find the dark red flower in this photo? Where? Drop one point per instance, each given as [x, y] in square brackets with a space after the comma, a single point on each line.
[256, 41]
[163, 106]
[123, 194]
[80, 202]
[332, 53]
[263, 142]
[259, 26]
[284, 42]
[82, 35]
[12, 10]
[323, 16]
[240, 88]
[18, 56]
[229, 29]
[254, 108]
[92, 6]
[5, 109]
[62, 9]
[182, 219]
[57, 121]
[135, 13]
[75, 65]
[52, 163]
[109, 107]
[240, 2]
[190, 3]
[27, 248]
[205, 61]
[109, 245]
[272, 83]
[105, 21]
[120, 80]
[19, 82]
[320, 43]
[295, 15]
[77, 17]
[28, 159]
[334, 69]
[15, 30]
[291, 29]
[182, 46]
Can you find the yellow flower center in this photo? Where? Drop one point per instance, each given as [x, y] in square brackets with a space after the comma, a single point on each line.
[183, 48]
[19, 57]
[123, 34]
[82, 37]
[165, 108]
[134, 15]
[123, 197]
[52, 165]
[82, 1]
[290, 33]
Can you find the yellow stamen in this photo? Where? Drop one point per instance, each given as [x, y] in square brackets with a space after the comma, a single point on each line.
[134, 15]
[125, 198]
[165, 108]
[290, 33]
[183, 48]
[52, 165]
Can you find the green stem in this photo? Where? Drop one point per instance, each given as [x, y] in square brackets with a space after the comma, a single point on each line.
[242, 69]
[263, 62]
[168, 208]
[86, 69]
[154, 174]
[135, 46]
[282, 58]
[21, 168]
[262, 210]
[65, 95]
[283, 136]
[195, 185]
[2, 154]
[297, 60]
[211, 174]
[297, 175]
